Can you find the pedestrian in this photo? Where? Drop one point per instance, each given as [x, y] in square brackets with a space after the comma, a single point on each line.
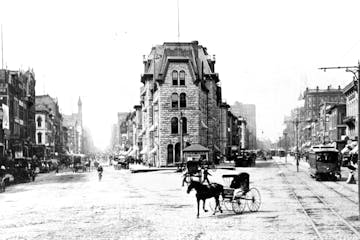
[206, 174]
[352, 168]
[100, 171]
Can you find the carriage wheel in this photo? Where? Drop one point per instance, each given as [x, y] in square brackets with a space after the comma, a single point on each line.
[227, 205]
[238, 204]
[253, 199]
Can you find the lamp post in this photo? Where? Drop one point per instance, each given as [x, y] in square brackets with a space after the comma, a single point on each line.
[285, 146]
[355, 70]
[297, 143]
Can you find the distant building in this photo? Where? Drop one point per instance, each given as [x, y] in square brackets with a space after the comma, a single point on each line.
[248, 112]
[47, 111]
[314, 99]
[74, 126]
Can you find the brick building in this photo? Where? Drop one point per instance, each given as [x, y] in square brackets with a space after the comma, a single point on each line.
[314, 99]
[17, 98]
[180, 103]
[47, 111]
[351, 118]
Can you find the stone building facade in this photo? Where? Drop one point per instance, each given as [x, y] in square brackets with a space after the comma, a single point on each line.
[17, 101]
[351, 118]
[180, 103]
[47, 110]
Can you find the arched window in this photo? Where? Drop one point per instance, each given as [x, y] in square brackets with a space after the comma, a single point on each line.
[174, 100]
[39, 137]
[39, 121]
[170, 152]
[182, 77]
[182, 100]
[177, 152]
[184, 125]
[175, 77]
[174, 125]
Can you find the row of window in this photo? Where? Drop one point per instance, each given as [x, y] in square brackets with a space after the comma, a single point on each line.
[175, 100]
[178, 78]
[175, 125]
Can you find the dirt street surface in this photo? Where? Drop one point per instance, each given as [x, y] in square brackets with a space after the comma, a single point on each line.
[154, 205]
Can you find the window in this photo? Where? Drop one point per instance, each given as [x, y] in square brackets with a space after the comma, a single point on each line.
[177, 152]
[39, 138]
[184, 125]
[174, 125]
[39, 121]
[174, 100]
[170, 152]
[182, 77]
[175, 77]
[182, 100]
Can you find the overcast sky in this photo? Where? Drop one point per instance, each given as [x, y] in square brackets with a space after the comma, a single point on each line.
[267, 52]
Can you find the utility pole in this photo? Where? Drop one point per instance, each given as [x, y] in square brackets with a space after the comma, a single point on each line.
[285, 146]
[356, 71]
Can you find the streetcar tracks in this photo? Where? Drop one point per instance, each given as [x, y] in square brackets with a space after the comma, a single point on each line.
[325, 221]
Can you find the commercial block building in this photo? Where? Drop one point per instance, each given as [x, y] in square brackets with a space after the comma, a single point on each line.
[180, 103]
[17, 101]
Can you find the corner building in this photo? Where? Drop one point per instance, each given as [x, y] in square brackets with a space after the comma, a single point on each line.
[180, 103]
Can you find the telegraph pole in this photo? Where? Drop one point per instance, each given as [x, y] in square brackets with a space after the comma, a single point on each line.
[356, 71]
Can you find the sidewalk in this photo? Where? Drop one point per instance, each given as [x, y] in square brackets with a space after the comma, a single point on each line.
[136, 168]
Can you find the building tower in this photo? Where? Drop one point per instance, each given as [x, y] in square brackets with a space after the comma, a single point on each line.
[80, 112]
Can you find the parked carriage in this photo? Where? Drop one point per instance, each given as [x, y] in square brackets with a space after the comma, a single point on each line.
[192, 171]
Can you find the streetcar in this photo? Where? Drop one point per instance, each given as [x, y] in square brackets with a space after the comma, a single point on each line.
[324, 162]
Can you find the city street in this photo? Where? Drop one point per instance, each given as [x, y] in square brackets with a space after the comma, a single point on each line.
[154, 205]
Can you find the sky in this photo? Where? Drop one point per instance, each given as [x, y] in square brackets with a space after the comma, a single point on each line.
[267, 52]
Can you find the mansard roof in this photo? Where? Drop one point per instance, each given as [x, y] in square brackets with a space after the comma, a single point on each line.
[191, 52]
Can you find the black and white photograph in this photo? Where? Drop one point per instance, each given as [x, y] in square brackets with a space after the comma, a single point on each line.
[179, 120]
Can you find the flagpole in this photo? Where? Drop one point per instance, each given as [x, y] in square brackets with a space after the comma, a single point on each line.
[178, 20]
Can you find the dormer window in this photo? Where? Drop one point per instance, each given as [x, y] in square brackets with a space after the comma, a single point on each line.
[39, 121]
[175, 78]
[182, 78]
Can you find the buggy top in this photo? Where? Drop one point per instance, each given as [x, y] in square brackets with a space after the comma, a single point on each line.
[236, 181]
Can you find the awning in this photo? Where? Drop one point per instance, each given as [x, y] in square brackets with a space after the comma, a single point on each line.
[153, 127]
[142, 132]
[217, 148]
[153, 151]
[133, 151]
[203, 125]
[355, 150]
[144, 150]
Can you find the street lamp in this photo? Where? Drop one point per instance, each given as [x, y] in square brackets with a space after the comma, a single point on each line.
[355, 70]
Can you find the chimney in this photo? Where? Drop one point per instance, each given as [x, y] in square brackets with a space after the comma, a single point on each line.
[144, 62]
[339, 87]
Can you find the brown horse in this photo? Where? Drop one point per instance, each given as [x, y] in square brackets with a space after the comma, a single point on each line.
[204, 192]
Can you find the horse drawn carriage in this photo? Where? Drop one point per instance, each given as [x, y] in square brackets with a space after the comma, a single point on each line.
[236, 195]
